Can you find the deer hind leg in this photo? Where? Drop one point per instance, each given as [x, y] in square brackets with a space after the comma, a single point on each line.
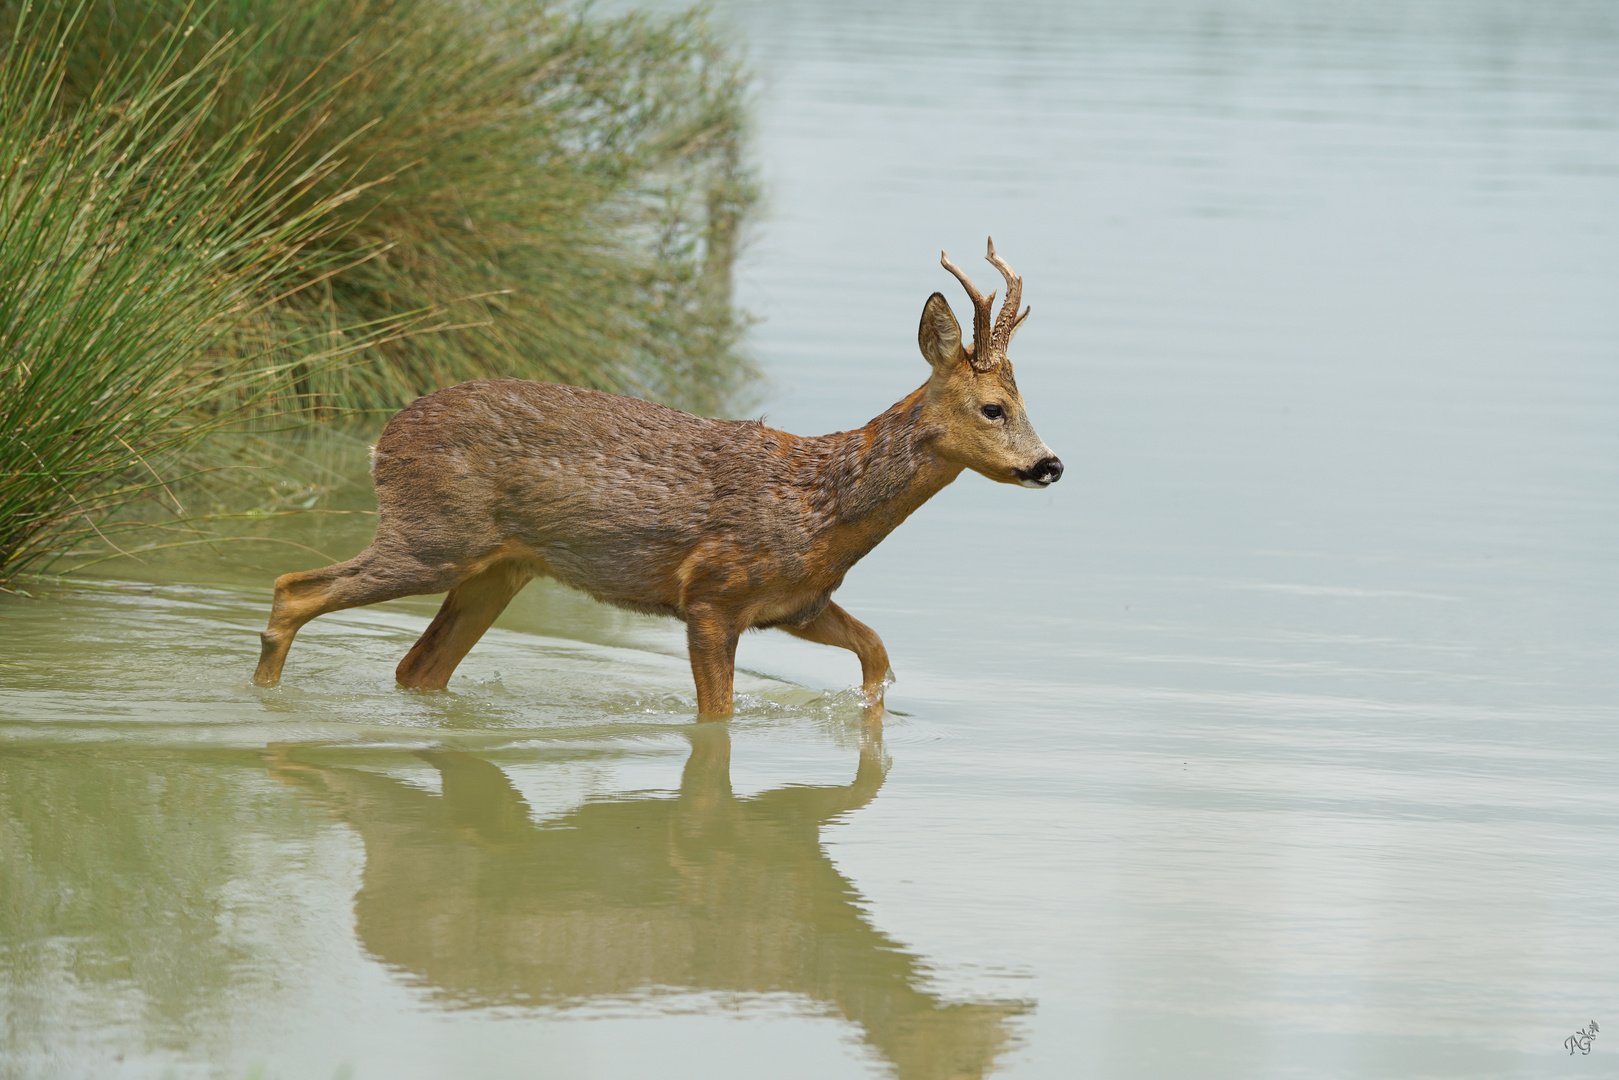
[462, 619]
[711, 636]
[374, 575]
[834, 626]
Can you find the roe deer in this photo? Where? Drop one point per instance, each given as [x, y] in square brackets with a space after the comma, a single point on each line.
[728, 525]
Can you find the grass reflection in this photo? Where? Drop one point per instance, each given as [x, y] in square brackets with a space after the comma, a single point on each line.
[120, 905]
[638, 897]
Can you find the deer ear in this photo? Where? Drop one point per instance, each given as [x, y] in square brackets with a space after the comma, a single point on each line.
[940, 334]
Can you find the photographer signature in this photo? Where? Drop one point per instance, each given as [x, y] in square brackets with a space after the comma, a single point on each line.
[1581, 1039]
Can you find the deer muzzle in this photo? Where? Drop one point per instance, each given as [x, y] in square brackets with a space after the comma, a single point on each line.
[1044, 473]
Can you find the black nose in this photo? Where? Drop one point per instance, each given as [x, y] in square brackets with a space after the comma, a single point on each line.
[1045, 471]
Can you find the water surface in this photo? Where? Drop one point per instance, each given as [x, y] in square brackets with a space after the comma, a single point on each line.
[1277, 740]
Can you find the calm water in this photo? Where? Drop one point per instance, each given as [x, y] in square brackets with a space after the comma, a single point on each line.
[1278, 740]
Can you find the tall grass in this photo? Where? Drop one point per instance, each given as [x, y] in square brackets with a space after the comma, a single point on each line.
[582, 174]
[143, 249]
[219, 212]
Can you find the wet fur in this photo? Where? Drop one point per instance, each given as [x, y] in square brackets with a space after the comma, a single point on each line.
[728, 525]
[645, 507]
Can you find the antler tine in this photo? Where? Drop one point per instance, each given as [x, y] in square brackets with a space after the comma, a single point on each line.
[1007, 322]
[983, 306]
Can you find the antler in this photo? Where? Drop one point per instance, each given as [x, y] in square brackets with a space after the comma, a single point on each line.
[979, 351]
[1008, 321]
[989, 344]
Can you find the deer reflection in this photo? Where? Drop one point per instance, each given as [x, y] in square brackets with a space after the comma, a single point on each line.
[702, 890]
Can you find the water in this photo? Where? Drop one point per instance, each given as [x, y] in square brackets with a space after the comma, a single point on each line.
[1277, 740]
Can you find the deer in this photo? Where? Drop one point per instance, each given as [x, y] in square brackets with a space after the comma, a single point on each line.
[728, 525]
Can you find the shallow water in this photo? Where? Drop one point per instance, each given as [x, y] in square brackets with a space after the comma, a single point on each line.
[1277, 740]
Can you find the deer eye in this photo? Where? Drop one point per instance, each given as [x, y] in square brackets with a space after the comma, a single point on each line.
[994, 412]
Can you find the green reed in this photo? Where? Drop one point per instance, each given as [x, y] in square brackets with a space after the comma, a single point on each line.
[251, 208]
[143, 246]
[581, 175]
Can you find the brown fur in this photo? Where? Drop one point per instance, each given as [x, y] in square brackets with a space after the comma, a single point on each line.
[728, 525]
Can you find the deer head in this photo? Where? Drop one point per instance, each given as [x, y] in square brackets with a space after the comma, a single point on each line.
[972, 399]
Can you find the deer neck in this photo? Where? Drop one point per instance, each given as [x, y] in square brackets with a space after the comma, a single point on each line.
[869, 480]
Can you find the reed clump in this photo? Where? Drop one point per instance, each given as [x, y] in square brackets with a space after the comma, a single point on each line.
[251, 209]
[142, 261]
[581, 175]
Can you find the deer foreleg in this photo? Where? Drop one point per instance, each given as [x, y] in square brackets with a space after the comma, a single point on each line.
[468, 611]
[711, 636]
[834, 626]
